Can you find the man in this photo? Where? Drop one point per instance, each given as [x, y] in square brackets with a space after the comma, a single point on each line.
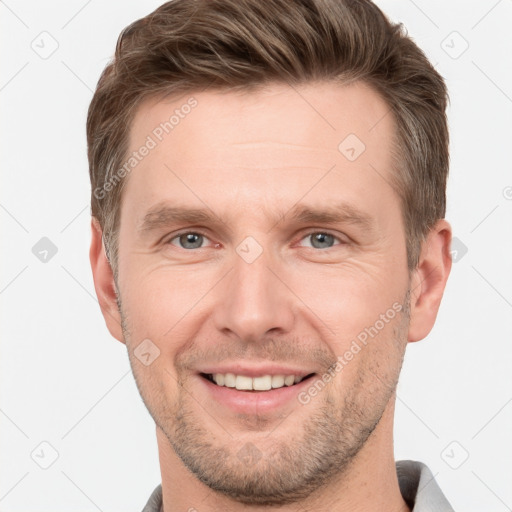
[268, 234]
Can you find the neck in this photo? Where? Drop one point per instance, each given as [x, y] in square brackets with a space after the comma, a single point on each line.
[370, 482]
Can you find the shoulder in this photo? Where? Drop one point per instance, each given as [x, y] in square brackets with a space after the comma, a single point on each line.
[419, 488]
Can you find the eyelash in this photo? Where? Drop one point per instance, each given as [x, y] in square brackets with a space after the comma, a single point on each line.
[305, 235]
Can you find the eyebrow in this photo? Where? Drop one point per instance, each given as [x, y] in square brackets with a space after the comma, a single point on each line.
[343, 213]
[163, 215]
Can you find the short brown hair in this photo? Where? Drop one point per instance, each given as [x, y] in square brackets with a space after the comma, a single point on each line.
[189, 45]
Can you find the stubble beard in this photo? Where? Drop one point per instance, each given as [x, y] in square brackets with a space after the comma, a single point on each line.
[326, 444]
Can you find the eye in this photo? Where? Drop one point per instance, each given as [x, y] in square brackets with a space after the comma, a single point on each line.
[321, 240]
[188, 240]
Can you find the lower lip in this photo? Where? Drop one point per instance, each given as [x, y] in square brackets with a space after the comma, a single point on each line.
[255, 402]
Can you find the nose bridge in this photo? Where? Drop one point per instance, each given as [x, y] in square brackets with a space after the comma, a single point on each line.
[253, 301]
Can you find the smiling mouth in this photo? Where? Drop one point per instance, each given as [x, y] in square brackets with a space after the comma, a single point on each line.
[254, 384]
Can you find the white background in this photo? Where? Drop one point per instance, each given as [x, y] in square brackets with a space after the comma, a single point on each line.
[66, 382]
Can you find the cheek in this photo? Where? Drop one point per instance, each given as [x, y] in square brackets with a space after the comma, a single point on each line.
[369, 363]
[163, 303]
[347, 299]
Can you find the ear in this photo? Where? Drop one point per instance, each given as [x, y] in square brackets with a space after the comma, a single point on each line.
[104, 283]
[429, 280]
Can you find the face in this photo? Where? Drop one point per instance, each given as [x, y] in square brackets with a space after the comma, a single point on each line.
[262, 246]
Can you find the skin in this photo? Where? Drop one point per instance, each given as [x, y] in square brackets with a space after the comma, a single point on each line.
[250, 158]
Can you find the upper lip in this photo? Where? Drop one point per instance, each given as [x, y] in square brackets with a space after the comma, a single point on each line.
[255, 370]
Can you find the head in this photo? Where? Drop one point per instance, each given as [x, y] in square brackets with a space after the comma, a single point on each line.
[268, 194]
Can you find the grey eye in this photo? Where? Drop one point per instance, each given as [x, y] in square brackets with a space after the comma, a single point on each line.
[190, 240]
[321, 240]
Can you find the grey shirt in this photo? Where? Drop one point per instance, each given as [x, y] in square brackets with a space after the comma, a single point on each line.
[417, 485]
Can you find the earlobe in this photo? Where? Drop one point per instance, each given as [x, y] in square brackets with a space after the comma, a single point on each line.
[429, 280]
[104, 283]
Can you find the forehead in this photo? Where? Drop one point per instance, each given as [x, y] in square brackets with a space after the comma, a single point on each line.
[260, 147]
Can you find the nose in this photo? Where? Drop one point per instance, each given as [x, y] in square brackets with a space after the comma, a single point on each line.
[253, 301]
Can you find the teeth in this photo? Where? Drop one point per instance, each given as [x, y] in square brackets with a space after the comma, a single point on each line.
[289, 380]
[277, 381]
[263, 383]
[229, 380]
[243, 383]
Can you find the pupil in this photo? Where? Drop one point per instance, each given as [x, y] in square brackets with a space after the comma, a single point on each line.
[322, 238]
[191, 240]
